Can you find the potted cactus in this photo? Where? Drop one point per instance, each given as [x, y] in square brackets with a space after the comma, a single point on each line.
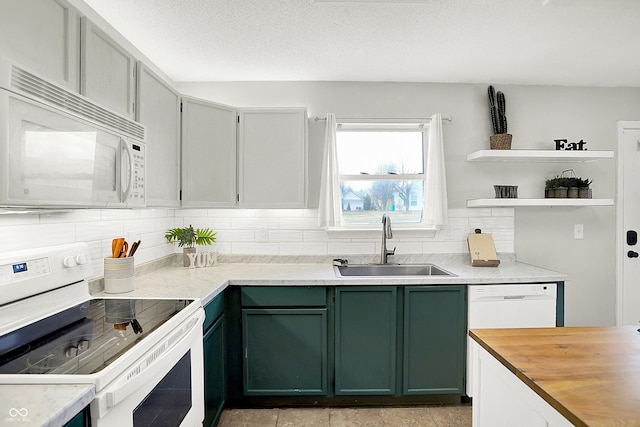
[500, 140]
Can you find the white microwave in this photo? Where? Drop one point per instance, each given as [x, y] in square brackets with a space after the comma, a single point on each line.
[59, 149]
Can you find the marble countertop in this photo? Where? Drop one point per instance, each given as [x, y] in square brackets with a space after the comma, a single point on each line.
[43, 405]
[56, 404]
[205, 283]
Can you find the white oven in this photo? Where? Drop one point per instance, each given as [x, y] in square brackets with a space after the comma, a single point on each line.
[144, 356]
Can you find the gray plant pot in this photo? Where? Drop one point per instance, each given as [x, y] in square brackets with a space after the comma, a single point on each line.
[185, 256]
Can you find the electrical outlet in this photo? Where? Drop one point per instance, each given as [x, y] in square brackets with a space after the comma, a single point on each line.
[262, 235]
[578, 231]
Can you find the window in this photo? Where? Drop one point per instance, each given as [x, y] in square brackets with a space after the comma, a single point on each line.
[381, 168]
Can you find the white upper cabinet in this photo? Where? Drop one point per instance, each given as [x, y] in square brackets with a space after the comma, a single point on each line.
[43, 36]
[158, 109]
[272, 146]
[107, 71]
[208, 154]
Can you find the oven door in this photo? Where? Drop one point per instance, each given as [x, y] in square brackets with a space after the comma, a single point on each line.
[165, 387]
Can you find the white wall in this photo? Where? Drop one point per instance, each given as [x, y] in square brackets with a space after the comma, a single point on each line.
[94, 226]
[537, 115]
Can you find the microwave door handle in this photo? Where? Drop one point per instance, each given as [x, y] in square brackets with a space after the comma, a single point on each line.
[125, 194]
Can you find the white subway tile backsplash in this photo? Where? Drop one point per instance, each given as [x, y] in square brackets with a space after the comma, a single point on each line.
[279, 213]
[457, 247]
[241, 232]
[247, 235]
[37, 235]
[351, 248]
[307, 248]
[402, 247]
[120, 214]
[192, 213]
[254, 222]
[305, 223]
[86, 231]
[315, 236]
[255, 248]
[70, 216]
[285, 235]
[502, 212]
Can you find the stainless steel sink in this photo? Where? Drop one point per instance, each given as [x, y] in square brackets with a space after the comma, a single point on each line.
[390, 270]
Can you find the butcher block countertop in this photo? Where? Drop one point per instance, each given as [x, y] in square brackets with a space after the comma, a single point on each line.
[591, 375]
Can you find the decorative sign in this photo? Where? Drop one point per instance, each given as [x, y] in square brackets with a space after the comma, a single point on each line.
[203, 259]
[563, 144]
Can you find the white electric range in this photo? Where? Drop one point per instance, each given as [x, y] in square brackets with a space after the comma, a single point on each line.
[143, 356]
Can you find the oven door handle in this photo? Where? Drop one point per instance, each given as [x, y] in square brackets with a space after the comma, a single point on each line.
[155, 362]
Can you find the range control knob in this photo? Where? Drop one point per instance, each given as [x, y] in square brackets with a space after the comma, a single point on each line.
[81, 259]
[69, 262]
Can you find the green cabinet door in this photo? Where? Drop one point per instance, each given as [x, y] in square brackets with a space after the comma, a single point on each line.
[214, 372]
[434, 340]
[285, 351]
[80, 420]
[365, 340]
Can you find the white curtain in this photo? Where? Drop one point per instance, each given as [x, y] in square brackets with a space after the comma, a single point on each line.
[329, 207]
[435, 186]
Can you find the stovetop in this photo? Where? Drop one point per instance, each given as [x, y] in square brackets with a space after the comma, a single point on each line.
[85, 338]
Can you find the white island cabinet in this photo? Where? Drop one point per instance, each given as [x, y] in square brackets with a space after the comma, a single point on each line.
[500, 399]
[557, 377]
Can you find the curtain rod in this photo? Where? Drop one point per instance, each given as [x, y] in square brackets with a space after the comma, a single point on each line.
[444, 119]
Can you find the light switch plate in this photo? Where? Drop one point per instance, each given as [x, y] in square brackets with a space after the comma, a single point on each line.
[578, 231]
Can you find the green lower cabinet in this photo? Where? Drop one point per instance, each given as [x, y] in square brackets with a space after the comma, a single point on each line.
[215, 378]
[365, 340]
[80, 420]
[434, 340]
[285, 351]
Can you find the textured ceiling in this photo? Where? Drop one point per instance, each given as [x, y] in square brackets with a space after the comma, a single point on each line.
[577, 42]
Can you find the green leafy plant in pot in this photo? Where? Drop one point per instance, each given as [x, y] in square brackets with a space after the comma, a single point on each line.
[500, 140]
[583, 187]
[188, 237]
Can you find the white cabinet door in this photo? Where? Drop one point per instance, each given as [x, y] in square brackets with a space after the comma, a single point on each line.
[158, 109]
[42, 36]
[208, 154]
[272, 145]
[107, 71]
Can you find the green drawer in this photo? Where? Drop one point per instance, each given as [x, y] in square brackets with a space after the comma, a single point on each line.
[213, 310]
[284, 296]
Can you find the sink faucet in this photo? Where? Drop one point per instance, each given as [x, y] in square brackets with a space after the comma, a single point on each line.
[386, 234]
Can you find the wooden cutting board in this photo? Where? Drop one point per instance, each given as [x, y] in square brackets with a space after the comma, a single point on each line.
[482, 250]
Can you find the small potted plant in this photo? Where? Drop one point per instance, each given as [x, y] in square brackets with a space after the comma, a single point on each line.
[583, 187]
[188, 237]
[550, 187]
[500, 140]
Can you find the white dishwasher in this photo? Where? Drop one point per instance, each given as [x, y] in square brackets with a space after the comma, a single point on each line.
[531, 305]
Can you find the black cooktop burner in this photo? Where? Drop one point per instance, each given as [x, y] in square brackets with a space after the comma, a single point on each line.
[85, 338]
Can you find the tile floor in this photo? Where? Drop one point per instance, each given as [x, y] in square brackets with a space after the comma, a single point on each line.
[418, 416]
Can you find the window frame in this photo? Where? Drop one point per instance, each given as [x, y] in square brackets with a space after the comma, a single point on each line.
[386, 125]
